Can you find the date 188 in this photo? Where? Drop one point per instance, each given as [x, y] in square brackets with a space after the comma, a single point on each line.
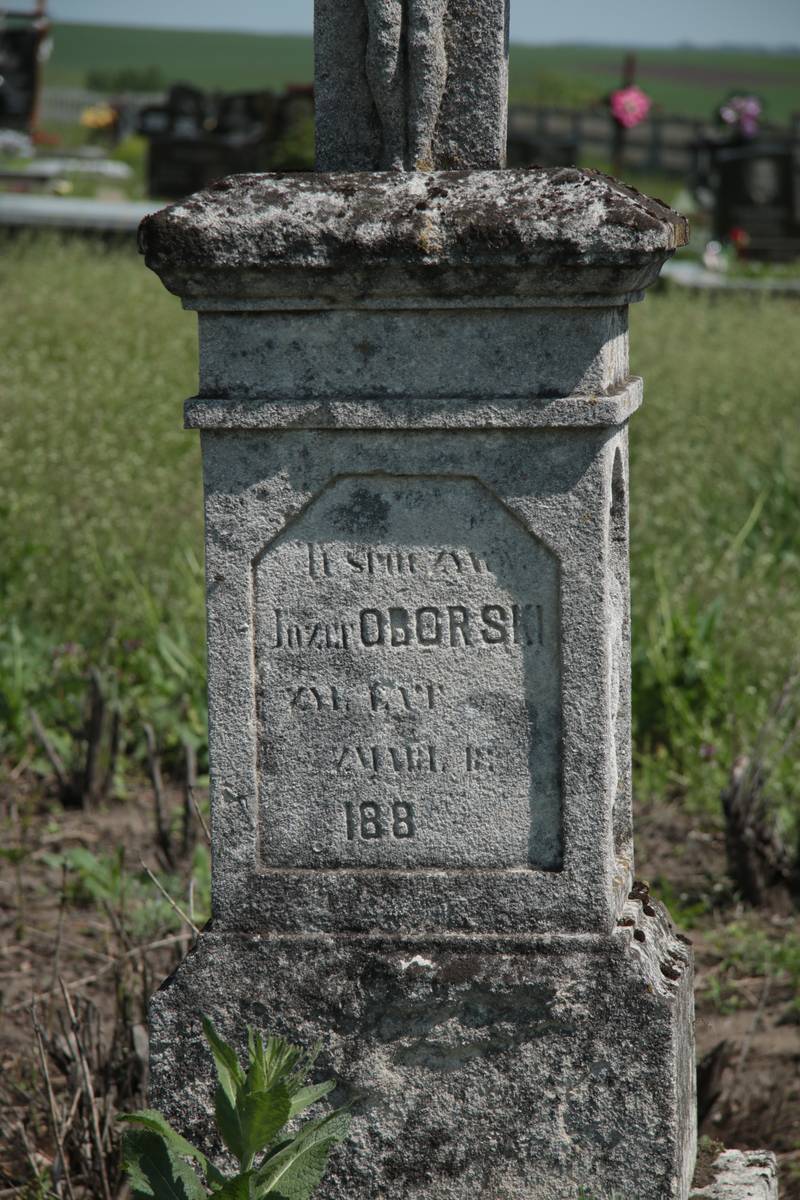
[369, 821]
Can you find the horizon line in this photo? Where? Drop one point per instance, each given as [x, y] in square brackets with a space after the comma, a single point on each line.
[680, 44]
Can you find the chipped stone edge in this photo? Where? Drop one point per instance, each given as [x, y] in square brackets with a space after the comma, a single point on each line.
[742, 1175]
[603, 409]
[370, 237]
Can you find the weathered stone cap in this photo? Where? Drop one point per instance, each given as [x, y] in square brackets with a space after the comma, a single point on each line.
[246, 233]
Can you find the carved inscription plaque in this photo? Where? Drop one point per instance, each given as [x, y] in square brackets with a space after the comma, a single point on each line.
[408, 682]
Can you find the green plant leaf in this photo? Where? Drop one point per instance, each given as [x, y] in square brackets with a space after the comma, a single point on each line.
[334, 1126]
[153, 1121]
[228, 1123]
[277, 1059]
[229, 1072]
[261, 1117]
[155, 1171]
[303, 1067]
[294, 1171]
[300, 1175]
[235, 1189]
[309, 1095]
[256, 1072]
[156, 1123]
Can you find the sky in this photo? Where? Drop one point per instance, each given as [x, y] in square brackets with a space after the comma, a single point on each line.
[770, 23]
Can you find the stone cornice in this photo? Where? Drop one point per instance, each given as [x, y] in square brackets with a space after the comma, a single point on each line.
[560, 236]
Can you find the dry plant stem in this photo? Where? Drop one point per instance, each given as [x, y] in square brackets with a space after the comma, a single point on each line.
[52, 755]
[90, 1096]
[28, 1151]
[51, 1102]
[94, 736]
[117, 926]
[751, 1032]
[791, 738]
[188, 921]
[76, 984]
[73, 1108]
[201, 818]
[16, 773]
[70, 943]
[190, 785]
[113, 754]
[59, 928]
[789, 691]
[163, 838]
[758, 860]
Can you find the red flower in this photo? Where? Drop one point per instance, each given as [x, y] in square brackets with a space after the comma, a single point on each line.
[629, 106]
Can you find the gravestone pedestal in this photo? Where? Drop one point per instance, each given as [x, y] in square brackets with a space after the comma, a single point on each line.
[414, 400]
[498, 1067]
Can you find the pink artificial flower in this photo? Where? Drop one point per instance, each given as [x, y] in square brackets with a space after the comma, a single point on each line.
[629, 106]
[743, 111]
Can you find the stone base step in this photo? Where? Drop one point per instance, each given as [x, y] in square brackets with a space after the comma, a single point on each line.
[751, 1175]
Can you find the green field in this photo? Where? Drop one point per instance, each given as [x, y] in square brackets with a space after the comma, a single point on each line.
[691, 82]
[101, 530]
[681, 81]
[211, 60]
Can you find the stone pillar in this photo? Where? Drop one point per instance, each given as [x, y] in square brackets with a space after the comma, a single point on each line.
[414, 404]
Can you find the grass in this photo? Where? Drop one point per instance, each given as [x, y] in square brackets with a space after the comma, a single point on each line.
[100, 502]
[101, 537]
[746, 950]
[101, 881]
[715, 545]
[689, 82]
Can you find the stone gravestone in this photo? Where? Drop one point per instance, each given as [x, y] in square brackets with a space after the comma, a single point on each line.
[753, 189]
[757, 196]
[414, 403]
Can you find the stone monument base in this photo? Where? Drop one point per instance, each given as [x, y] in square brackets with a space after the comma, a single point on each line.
[506, 1068]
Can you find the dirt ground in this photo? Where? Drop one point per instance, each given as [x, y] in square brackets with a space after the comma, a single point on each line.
[747, 1031]
[750, 1038]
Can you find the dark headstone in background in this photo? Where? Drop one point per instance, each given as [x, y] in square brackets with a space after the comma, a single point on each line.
[19, 67]
[756, 195]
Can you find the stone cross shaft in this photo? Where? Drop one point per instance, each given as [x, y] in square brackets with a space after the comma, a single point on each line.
[411, 84]
[414, 403]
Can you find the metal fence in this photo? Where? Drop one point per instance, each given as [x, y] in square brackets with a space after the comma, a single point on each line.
[661, 143]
